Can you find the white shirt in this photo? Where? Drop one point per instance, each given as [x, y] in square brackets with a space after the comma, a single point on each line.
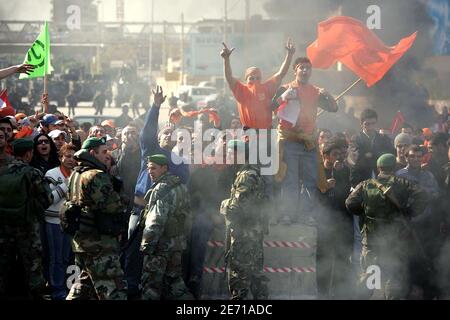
[59, 186]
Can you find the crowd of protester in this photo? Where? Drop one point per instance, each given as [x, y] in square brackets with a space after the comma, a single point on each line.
[343, 161]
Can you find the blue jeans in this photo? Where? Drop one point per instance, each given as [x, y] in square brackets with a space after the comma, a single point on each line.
[357, 246]
[60, 254]
[45, 249]
[301, 164]
[133, 256]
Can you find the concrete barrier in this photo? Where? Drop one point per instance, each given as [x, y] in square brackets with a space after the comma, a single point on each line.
[289, 263]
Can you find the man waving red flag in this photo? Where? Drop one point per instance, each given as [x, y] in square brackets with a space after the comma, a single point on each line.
[349, 41]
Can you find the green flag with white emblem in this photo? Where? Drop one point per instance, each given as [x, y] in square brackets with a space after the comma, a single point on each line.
[39, 56]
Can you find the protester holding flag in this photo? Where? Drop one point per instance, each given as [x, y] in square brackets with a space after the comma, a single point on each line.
[39, 56]
[21, 68]
[297, 137]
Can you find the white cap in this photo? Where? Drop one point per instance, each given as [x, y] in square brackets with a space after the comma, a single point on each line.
[56, 133]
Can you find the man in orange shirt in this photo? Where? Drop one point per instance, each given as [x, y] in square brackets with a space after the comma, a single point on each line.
[297, 141]
[254, 97]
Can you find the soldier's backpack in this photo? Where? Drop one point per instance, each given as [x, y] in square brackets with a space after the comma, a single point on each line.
[73, 216]
[16, 203]
[70, 211]
[171, 184]
[377, 209]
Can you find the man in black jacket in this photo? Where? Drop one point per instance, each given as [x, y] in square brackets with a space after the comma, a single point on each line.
[366, 147]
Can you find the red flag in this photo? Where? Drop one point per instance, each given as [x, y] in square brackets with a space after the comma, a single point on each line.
[213, 115]
[397, 122]
[6, 109]
[349, 41]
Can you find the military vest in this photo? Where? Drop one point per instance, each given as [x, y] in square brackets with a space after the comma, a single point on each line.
[175, 224]
[16, 202]
[380, 214]
[252, 210]
[91, 221]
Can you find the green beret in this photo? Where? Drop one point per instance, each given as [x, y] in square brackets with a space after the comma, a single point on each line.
[159, 159]
[93, 143]
[236, 144]
[387, 160]
[22, 145]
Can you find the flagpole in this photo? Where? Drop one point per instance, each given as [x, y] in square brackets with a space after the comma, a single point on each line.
[342, 94]
[46, 94]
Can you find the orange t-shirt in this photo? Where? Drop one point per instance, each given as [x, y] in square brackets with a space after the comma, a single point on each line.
[308, 96]
[254, 103]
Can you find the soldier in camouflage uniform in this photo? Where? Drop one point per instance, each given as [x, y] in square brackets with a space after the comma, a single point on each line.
[24, 197]
[245, 229]
[385, 206]
[163, 236]
[96, 243]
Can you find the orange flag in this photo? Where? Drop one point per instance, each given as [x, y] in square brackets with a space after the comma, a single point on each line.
[349, 41]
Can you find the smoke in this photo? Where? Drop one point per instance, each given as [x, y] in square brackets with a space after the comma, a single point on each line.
[399, 89]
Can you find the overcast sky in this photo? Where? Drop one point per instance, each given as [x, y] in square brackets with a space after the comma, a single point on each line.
[137, 10]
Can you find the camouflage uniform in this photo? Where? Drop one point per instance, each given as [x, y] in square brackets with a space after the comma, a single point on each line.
[385, 238]
[96, 253]
[245, 234]
[21, 236]
[163, 239]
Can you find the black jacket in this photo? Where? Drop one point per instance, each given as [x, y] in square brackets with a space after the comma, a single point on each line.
[363, 154]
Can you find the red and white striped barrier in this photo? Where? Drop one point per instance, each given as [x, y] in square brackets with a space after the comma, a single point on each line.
[266, 269]
[269, 244]
[287, 270]
[287, 244]
[216, 244]
[213, 269]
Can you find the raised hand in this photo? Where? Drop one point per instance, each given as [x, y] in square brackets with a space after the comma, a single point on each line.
[158, 96]
[24, 68]
[44, 99]
[226, 53]
[290, 46]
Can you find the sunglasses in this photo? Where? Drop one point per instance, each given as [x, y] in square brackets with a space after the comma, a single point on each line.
[43, 142]
[254, 78]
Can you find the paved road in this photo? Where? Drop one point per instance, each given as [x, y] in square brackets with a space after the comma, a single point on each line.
[113, 112]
